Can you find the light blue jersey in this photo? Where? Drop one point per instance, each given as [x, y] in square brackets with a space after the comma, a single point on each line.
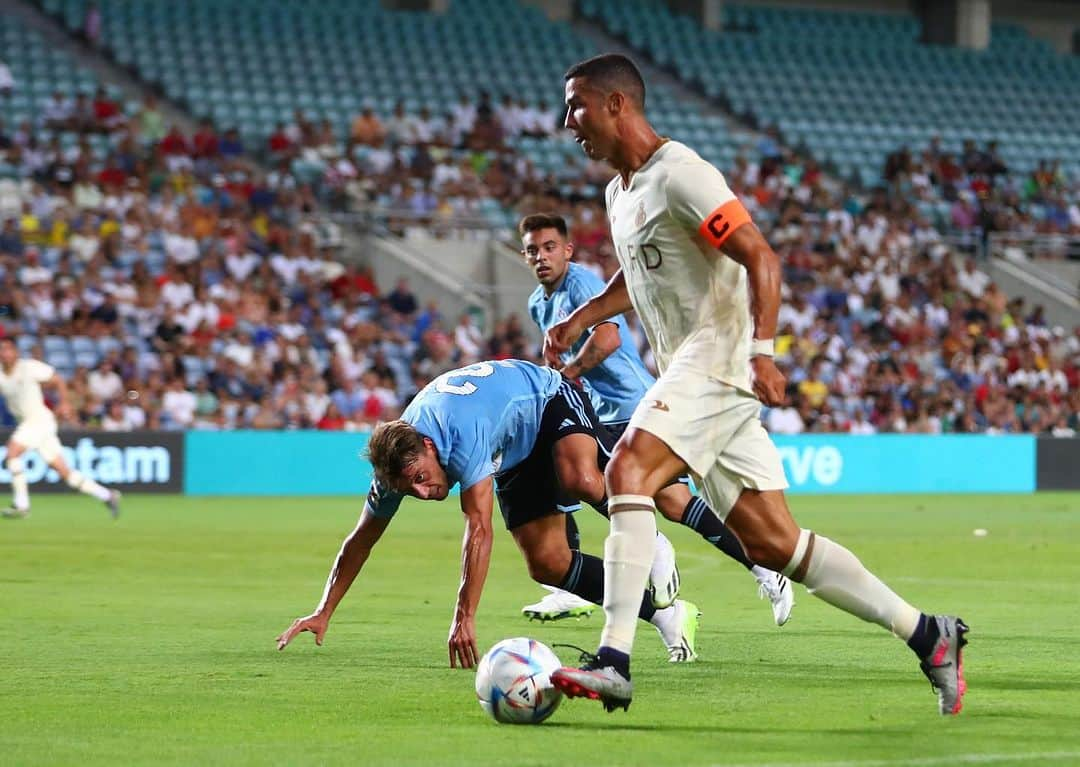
[483, 419]
[617, 384]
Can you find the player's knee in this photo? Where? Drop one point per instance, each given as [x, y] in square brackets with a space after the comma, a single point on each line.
[548, 564]
[625, 471]
[672, 500]
[773, 551]
[15, 464]
[585, 483]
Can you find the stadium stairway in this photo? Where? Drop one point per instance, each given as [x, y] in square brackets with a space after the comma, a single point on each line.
[1053, 286]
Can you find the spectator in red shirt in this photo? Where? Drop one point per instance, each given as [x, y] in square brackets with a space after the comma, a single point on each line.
[332, 419]
[112, 175]
[205, 141]
[107, 114]
[279, 143]
[355, 279]
[176, 150]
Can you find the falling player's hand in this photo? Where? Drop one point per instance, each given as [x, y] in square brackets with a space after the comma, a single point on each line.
[769, 382]
[314, 623]
[462, 642]
[559, 338]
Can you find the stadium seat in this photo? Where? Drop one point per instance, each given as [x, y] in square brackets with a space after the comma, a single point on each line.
[859, 67]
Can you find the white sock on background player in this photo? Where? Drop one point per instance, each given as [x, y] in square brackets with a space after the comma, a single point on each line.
[19, 490]
[84, 484]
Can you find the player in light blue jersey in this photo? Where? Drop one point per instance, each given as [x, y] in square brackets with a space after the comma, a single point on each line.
[607, 362]
[510, 429]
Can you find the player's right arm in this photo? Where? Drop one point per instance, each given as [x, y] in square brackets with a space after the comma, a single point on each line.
[63, 405]
[612, 300]
[477, 505]
[350, 559]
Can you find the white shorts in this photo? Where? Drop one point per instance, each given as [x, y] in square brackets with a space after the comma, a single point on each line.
[39, 434]
[716, 429]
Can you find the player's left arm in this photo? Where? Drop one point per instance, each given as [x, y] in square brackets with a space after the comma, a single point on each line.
[477, 504]
[600, 344]
[614, 299]
[700, 199]
[748, 247]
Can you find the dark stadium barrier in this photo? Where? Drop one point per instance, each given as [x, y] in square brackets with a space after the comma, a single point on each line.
[1058, 465]
[135, 461]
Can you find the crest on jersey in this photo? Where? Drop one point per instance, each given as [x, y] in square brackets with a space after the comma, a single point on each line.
[639, 219]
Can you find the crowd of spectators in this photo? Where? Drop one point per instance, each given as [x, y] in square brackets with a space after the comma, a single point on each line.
[884, 327]
[977, 191]
[177, 284]
[211, 294]
[432, 169]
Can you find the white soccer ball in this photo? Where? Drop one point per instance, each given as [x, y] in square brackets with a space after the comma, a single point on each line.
[513, 681]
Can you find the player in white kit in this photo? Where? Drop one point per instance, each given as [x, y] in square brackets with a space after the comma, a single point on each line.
[20, 386]
[706, 286]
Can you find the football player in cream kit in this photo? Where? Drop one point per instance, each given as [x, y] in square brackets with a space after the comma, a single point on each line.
[706, 287]
[20, 386]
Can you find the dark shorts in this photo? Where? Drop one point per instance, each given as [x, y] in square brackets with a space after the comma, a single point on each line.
[616, 431]
[531, 489]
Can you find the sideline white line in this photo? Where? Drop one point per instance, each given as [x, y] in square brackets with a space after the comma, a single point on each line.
[928, 761]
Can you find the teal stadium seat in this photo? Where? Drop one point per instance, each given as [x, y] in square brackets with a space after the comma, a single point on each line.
[331, 57]
[865, 75]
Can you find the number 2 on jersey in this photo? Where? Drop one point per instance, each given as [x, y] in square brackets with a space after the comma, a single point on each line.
[479, 370]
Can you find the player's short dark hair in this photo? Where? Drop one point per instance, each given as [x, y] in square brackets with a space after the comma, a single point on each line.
[612, 72]
[536, 221]
[393, 447]
[8, 340]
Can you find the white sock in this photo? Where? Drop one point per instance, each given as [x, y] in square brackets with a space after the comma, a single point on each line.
[20, 491]
[86, 485]
[628, 555]
[838, 577]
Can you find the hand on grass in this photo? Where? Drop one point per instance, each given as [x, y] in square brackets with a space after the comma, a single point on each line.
[462, 643]
[315, 623]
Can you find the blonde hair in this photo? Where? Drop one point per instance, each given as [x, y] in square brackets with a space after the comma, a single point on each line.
[393, 447]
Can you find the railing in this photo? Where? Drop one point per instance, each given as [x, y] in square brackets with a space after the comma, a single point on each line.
[1050, 262]
[374, 219]
[1052, 247]
[467, 256]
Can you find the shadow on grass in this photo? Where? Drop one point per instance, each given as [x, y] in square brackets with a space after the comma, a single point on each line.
[705, 729]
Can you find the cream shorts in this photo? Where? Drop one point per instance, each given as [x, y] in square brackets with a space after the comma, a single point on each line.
[716, 429]
[39, 434]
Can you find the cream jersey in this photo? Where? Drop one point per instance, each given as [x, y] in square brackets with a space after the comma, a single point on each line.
[21, 389]
[693, 301]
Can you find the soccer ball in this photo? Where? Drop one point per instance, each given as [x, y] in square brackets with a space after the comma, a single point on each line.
[513, 681]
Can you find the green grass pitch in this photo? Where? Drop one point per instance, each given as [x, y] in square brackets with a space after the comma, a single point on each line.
[151, 641]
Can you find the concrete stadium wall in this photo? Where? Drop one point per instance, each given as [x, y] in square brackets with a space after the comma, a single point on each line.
[331, 463]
